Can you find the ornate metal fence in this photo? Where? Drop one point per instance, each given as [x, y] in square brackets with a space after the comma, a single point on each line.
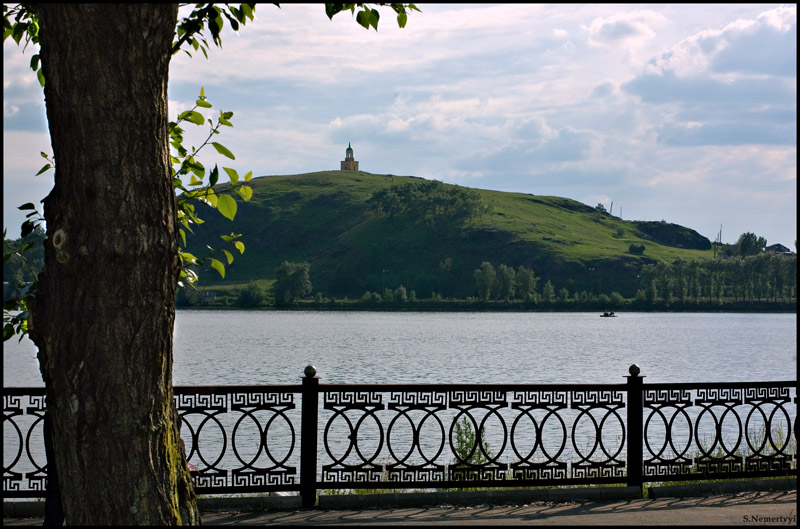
[308, 437]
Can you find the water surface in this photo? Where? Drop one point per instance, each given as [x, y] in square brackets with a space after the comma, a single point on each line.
[273, 347]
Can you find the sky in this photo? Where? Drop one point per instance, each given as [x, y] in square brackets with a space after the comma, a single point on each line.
[685, 113]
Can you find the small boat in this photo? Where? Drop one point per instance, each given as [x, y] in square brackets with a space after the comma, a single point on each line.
[608, 315]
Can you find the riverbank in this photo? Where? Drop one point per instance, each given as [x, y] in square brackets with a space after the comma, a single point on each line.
[756, 307]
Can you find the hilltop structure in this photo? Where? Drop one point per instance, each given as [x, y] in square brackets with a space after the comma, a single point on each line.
[349, 163]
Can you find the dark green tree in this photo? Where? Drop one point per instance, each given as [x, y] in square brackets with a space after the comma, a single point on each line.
[526, 281]
[253, 295]
[750, 244]
[548, 291]
[485, 278]
[505, 282]
[291, 282]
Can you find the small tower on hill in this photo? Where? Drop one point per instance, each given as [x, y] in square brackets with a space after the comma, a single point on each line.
[349, 163]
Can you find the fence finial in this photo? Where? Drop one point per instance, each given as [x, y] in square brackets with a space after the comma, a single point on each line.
[634, 370]
[310, 371]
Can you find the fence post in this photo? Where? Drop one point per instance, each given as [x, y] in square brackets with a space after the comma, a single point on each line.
[308, 438]
[635, 427]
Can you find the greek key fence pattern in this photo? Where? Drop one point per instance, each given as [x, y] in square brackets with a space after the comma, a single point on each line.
[24, 463]
[402, 436]
[719, 430]
[240, 439]
[303, 438]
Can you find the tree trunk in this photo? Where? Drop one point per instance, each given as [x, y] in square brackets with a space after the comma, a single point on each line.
[104, 313]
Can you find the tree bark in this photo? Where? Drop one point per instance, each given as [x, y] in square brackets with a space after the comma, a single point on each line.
[104, 312]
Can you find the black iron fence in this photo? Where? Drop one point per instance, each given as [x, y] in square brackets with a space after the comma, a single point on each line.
[311, 436]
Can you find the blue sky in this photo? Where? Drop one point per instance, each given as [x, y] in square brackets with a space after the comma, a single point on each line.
[683, 112]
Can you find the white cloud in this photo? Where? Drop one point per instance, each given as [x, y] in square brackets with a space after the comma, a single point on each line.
[629, 32]
[673, 111]
[764, 44]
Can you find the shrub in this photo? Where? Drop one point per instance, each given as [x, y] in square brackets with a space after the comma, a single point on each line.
[636, 249]
[253, 295]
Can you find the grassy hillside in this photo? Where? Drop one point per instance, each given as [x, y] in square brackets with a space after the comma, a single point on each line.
[324, 218]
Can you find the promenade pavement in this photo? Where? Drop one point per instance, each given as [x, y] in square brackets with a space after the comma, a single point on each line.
[738, 509]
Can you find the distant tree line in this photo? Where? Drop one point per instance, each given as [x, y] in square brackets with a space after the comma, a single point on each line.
[506, 283]
[765, 276]
[741, 272]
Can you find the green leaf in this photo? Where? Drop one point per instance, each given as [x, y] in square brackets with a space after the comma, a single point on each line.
[27, 205]
[18, 31]
[213, 177]
[228, 256]
[186, 257]
[210, 198]
[246, 192]
[232, 174]
[248, 176]
[363, 18]
[202, 103]
[40, 76]
[239, 246]
[192, 117]
[218, 266]
[223, 150]
[27, 228]
[227, 206]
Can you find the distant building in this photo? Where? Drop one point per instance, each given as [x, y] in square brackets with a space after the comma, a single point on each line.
[778, 248]
[209, 296]
[349, 163]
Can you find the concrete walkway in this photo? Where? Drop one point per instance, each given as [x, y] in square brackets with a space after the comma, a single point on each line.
[743, 508]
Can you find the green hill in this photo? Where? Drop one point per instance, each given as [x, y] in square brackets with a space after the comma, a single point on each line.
[327, 219]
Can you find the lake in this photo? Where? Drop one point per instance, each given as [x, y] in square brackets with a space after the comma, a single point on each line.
[273, 347]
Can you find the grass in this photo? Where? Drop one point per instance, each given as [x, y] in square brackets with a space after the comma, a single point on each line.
[323, 218]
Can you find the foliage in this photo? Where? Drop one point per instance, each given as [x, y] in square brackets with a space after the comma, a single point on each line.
[765, 276]
[429, 201]
[505, 284]
[485, 278]
[525, 280]
[469, 450]
[185, 164]
[369, 17]
[21, 21]
[188, 297]
[673, 235]
[548, 291]
[189, 29]
[253, 295]
[291, 282]
[636, 249]
[24, 258]
[750, 244]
